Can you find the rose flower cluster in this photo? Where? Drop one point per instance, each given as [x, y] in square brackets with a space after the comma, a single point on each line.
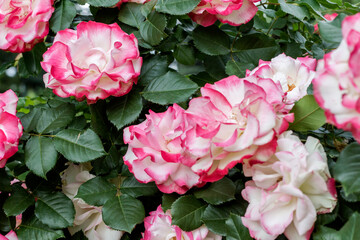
[241, 120]
[337, 84]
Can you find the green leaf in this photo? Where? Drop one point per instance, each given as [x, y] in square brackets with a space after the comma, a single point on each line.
[134, 188]
[79, 146]
[202, 78]
[130, 13]
[63, 15]
[148, 7]
[185, 54]
[167, 200]
[325, 233]
[351, 229]
[218, 192]
[40, 155]
[237, 68]
[176, 7]
[18, 202]
[331, 31]
[152, 30]
[253, 47]
[123, 213]
[308, 115]
[102, 3]
[4, 181]
[169, 88]
[211, 40]
[55, 210]
[152, 68]
[347, 169]
[215, 218]
[34, 229]
[124, 110]
[313, 6]
[235, 229]
[30, 120]
[52, 119]
[96, 191]
[187, 212]
[300, 12]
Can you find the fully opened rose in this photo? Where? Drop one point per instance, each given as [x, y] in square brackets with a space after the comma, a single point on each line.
[233, 12]
[23, 23]
[294, 75]
[288, 190]
[157, 150]
[337, 84]
[94, 62]
[240, 119]
[10, 126]
[158, 227]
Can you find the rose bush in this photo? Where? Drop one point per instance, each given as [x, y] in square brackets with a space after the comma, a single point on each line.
[92, 71]
[23, 23]
[203, 119]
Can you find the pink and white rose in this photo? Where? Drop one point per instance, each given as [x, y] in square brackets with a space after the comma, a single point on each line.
[157, 150]
[10, 126]
[88, 218]
[158, 227]
[233, 12]
[240, 119]
[94, 62]
[23, 23]
[289, 190]
[9, 236]
[337, 84]
[294, 75]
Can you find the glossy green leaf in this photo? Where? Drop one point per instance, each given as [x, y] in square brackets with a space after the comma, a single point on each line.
[63, 15]
[185, 54]
[169, 88]
[215, 218]
[124, 110]
[331, 31]
[40, 155]
[351, 229]
[130, 13]
[33, 58]
[102, 3]
[176, 7]
[123, 213]
[218, 192]
[211, 40]
[300, 12]
[235, 229]
[152, 30]
[54, 118]
[152, 67]
[18, 202]
[187, 212]
[96, 191]
[308, 115]
[34, 229]
[30, 120]
[347, 169]
[79, 146]
[238, 68]
[134, 188]
[55, 210]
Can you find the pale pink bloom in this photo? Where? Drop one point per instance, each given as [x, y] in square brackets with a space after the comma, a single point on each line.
[337, 84]
[294, 75]
[9, 236]
[157, 150]
[94, 62]
[10, 126]
[158, 227]
[88, 218]
[328, 17]
[23, 23]
[233, 12]
[289, 190]
[240, 120]
[134, 1]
